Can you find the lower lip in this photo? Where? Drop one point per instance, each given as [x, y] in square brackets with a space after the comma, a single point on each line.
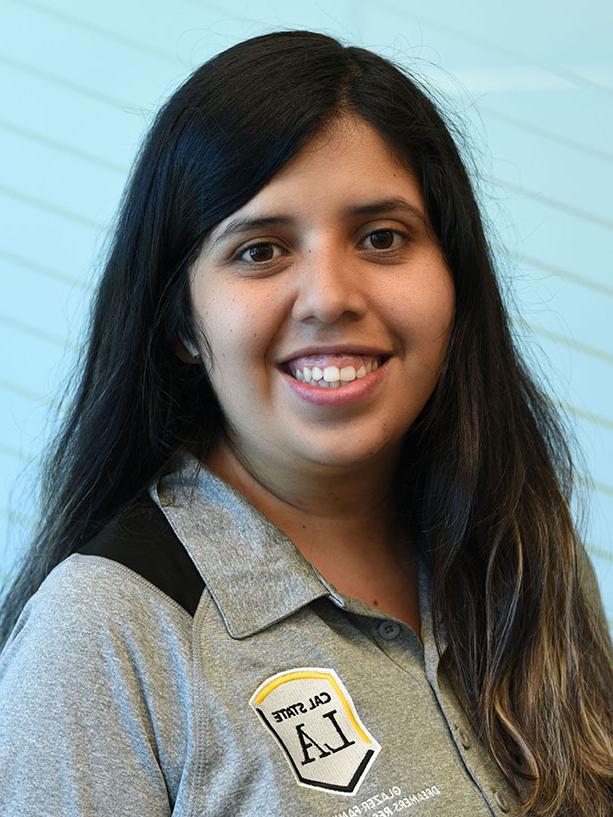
[351, 392]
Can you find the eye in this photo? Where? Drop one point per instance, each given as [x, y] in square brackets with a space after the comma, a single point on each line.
[388, 234]
[257, 252]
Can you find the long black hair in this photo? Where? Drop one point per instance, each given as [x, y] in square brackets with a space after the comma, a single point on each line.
[488, 472]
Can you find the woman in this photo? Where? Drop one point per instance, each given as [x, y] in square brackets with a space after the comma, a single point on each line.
[307, 545]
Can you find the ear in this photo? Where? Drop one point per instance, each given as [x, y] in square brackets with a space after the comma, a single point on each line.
[182, 352]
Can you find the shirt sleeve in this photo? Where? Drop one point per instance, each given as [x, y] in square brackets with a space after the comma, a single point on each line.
[76, 734]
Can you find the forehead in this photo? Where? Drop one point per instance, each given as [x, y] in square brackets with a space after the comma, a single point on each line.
[342, 172]
[343, 144]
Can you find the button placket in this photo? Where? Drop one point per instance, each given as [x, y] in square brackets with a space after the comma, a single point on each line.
[401, 649]
[473, 756]
[459, 735]
[388, 630]
[462, 734]
[501, 801]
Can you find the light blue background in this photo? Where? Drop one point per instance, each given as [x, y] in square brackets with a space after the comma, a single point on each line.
[533, 83]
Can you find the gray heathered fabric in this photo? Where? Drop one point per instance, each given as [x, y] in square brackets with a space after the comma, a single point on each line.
[114, 701]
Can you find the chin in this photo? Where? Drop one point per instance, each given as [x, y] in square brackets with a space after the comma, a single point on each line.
[349, 456]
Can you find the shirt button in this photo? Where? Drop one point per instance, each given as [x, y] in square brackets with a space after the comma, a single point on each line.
[389, 630]
[502, 801]
[464, 739]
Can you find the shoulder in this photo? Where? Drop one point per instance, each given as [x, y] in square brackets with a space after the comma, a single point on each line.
[94, 618]
[141, 539]
[97, 666]
[126, 595]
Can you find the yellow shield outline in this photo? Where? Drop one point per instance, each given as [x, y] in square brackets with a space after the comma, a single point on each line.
[371, 746]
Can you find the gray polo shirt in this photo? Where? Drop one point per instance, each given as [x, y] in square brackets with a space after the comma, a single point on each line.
[278, 696]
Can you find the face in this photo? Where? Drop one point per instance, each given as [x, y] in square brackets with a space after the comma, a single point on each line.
[331, 288]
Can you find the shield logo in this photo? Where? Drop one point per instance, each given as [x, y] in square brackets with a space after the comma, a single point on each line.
[312, 717]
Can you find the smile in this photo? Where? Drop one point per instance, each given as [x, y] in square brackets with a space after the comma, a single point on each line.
[337, 391]
[334, 377]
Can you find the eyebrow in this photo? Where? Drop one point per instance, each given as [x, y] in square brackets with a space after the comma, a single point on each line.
[242, 225]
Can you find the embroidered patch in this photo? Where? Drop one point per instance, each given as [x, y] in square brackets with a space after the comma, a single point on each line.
[313, 718]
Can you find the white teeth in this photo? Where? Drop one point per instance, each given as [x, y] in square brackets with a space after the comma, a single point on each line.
[332, 376]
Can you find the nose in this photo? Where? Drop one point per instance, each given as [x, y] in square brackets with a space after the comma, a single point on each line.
[328, 288]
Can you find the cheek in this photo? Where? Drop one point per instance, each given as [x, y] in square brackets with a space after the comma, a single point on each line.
[437, 299]
[423, 311]
[240, 331]
[436, 313]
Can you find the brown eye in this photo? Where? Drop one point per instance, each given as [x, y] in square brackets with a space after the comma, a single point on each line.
[382, 239]
[262, 253]
[257, 252]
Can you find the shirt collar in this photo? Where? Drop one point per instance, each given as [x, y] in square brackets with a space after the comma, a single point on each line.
[253, 571]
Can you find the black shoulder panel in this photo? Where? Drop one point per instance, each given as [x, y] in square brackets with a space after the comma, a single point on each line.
[142, 539]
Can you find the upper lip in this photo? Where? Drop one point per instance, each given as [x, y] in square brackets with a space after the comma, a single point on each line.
[337, 349]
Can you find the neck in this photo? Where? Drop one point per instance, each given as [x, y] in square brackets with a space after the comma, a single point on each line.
[353, 513]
